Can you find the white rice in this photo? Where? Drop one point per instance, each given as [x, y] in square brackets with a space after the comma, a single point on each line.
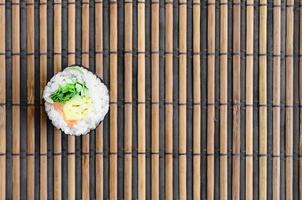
[98, 93]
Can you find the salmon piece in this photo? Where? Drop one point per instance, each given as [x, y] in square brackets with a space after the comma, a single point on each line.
[59, 107]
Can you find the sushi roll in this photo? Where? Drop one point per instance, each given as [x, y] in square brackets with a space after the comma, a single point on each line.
[76, 100]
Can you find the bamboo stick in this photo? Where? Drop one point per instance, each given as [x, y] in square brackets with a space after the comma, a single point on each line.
[99, 71]
[211, 99]
[289, 100]
[155, 99]
[43, 79]
[276, 100]
[128, 106]
[236, 102]
[182, 97]
[141, 101]
[2, 101]
[57, 185]
[249, 98]
[169, 100]
[300, 83]
[71, 139]
[85, 62]
[113, 99]
[30, 159]
[16, 98]
[31, 151]
[223, 98]
[196, 100]
[262, 99]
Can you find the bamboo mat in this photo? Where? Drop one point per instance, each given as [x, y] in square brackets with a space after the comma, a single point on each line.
[204, 99]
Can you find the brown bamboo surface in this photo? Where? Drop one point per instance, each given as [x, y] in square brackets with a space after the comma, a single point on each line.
[128, 98]
[141, 99]
[57, 65]
[85, 62]
[169, 100]
[99, 161]
[182, 84]
[210, 98]
[289, 82]
[263, 99]
[43, 79]
[205, 99]
[276, 100]
[236, 101]
[196, 100]
[71, 60]
[30, 61]
[249, 99]
[223, 98]
[16, 100]
[155, 99]
[113, 36]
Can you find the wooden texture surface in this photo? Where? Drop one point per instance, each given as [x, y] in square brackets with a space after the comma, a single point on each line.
[210, 98]
[16, 100]
[249, 128]
[57, 66]
[43, 79]
[205, 99]
[196, 100]
[276, 100]
[71, 60]
[169, 100]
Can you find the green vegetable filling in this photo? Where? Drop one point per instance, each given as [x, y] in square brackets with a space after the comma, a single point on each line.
[66, 92]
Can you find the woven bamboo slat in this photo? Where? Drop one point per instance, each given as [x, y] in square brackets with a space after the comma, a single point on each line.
[16, 99]
[30, 99]
[43, 79]
[236, 101]
[71, 60]
[2, 106]
[263, 99]
[85, 62]
[113, 99]
[141, 99]
[128, 98]
[210, 98]
[289, 99]
[155, 98]
[57, 184]
[99, 173]
[249, 98]
[223, 98]
[169, 100]
[196, 100]
[276, 100]
[182, 97]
